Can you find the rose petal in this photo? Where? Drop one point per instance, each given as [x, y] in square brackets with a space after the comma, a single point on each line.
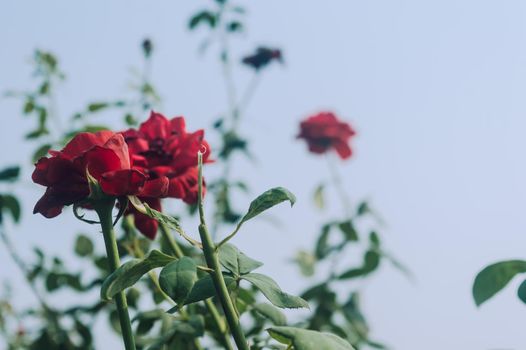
[122, 182]
[155, 188]
[84, 141]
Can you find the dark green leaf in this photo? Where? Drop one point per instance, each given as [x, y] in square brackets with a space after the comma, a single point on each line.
[206, 17]
[273, 292]
[204, 288]
[10, 203]
[10, 174]
[129, 273]
[235, 261]
[348, 230]
[322, 245]
[272, 313]
[178, 278]
[521, 292]
[371, 261]
[234, 26]
[267, 200]
[304, 339]
[493, 278]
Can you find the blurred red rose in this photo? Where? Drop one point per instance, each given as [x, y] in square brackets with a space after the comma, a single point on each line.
[262, 57]
[103, 154]
[324, 131]
[164, 151]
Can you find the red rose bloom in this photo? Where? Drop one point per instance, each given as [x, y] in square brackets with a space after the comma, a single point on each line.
[262, 57]
[167, 154]
[324, 132]
[103, 154]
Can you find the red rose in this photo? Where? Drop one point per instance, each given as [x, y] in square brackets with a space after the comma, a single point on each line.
[262, 57]
[167, 154]
[324, 131]
[103, 154]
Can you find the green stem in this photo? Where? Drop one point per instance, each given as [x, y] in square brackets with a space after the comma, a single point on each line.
[104, 209]
[218, 320]
[212, 260]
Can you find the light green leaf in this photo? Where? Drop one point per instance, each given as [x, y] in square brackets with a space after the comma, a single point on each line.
[304, 339]
[493, 278]
[306, 262]
[318, 197]
[83, 246]
[273, 292]
[272, 313]
[178, 278]
[129, 273]
[235, 261]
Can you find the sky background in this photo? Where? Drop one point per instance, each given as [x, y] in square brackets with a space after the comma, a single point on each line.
[435, 90]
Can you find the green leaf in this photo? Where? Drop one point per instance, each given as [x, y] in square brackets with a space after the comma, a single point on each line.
[374, 239]
[363, 208]
[493, 278]
[273, 292]
[178, 278]
[304, 339]
[41, 152]
[306, 262]
[10, 173]
[83, 246]
[202, 17]
[319, 198]
[10, 203]
[203, 289]
[95, 107]
[235, 261]
[29, 106]
[129, 273]
[267, 200]
[322, 245]
[521, 292]
[348, 230]
[272, 313]
[371, 261]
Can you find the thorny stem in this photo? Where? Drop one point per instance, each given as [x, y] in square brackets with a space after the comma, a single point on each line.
[212, 260]
[218, 320]
[104, 208]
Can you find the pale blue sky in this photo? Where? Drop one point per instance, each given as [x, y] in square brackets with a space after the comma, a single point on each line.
[435, 90]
